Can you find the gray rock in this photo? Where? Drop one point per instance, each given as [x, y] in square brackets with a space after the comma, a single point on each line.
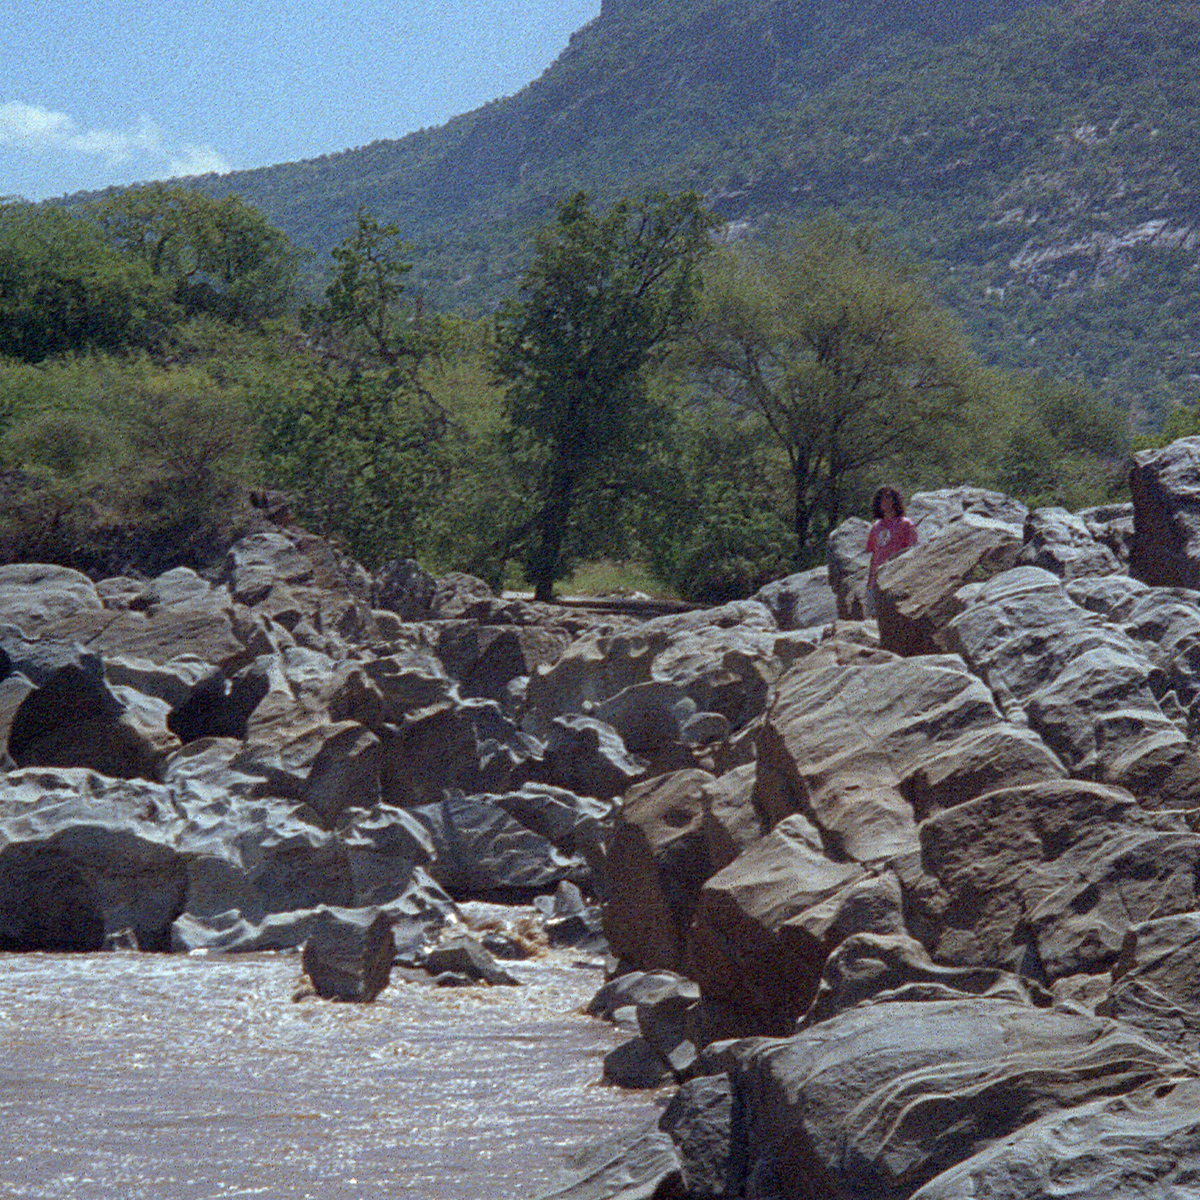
[647, 715]
[404, 587]
[918, 591]
[857, 745]
[632, 1168]
[456, 592]
[587, 756]
[635, 1064]
[870, 966]
[34, 594]
[576, 825]
[1144, 1145]
[699, 1121]
[72, 718]
[256, 564]
[1156, 981]
[468, 745]
[481, 851]
[882, 1099]
[1059, 542]
[1165, 487]
[663, 1024]
[656, 865]
[800, 601]
[1084, 685]
[753, 946]
[633, 988]
[486, 659]
[83, 857]
[1062, 869]
[217, 707]
[465, 956]
[348, 954]
[1113, 525]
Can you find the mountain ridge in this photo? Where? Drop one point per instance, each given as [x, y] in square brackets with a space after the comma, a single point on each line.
[1038, 155]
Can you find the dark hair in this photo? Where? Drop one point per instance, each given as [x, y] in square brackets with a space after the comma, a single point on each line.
[897, 501]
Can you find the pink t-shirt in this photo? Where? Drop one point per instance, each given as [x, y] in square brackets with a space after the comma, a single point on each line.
[888, 537]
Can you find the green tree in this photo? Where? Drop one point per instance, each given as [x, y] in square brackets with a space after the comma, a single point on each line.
[844, 356]
[364, 301]
[216, 256]
[602, 294]
[1059, 443]
[63, 288]
[356, 435]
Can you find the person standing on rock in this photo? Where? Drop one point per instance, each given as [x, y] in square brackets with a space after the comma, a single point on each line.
[891, 534]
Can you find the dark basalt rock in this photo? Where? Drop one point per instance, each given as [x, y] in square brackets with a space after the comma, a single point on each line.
[348, 954]
[465, 956]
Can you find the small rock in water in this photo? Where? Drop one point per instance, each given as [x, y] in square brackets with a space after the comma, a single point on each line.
[121, 939]
[465, 956]
[348, 957]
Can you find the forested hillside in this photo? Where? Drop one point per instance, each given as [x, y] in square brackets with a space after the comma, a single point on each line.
[1045, 166]
[1004, 196]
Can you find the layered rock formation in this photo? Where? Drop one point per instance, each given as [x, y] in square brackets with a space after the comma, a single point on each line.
[902, 908]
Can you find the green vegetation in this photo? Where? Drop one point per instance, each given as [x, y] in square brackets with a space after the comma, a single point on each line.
[601, 295]
[643, 400]
[840, 353]
[1040, 156]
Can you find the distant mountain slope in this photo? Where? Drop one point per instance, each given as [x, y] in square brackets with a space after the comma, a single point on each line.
[629, 102]
[1048, 166]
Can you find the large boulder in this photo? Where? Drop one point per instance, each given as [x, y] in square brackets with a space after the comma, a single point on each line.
[881, 1099]
[656, 864]
[83, 858]
[248, 852]
[849, 564]
[468, 745]
[800, 601]
[587, 756]
[881, 965]
[1086, 687]
[760, 936]
[917, 590]
[480, 851]
[1156, 981]
[1165, 487]
[1046, 878]
[699, 1119]
[348, 954]
[1144, 1145]
[634, 1167]
[33, 595]
[856, 745]
[486, 659]
[1062, 543]
[404, 587]
[72, 718]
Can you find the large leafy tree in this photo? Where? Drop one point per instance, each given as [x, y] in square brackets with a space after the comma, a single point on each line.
[355, 434]
[603, 292]
[62, 287]
[844, 357]
[215, 256]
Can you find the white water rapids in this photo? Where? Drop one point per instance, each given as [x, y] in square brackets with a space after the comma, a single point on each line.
[130, 1076]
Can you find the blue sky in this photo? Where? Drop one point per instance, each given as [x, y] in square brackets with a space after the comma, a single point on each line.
[99, 92]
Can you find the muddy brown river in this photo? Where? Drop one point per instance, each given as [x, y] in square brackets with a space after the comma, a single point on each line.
[154, 1077]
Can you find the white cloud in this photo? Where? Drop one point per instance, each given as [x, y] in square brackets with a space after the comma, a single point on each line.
[41, 130]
